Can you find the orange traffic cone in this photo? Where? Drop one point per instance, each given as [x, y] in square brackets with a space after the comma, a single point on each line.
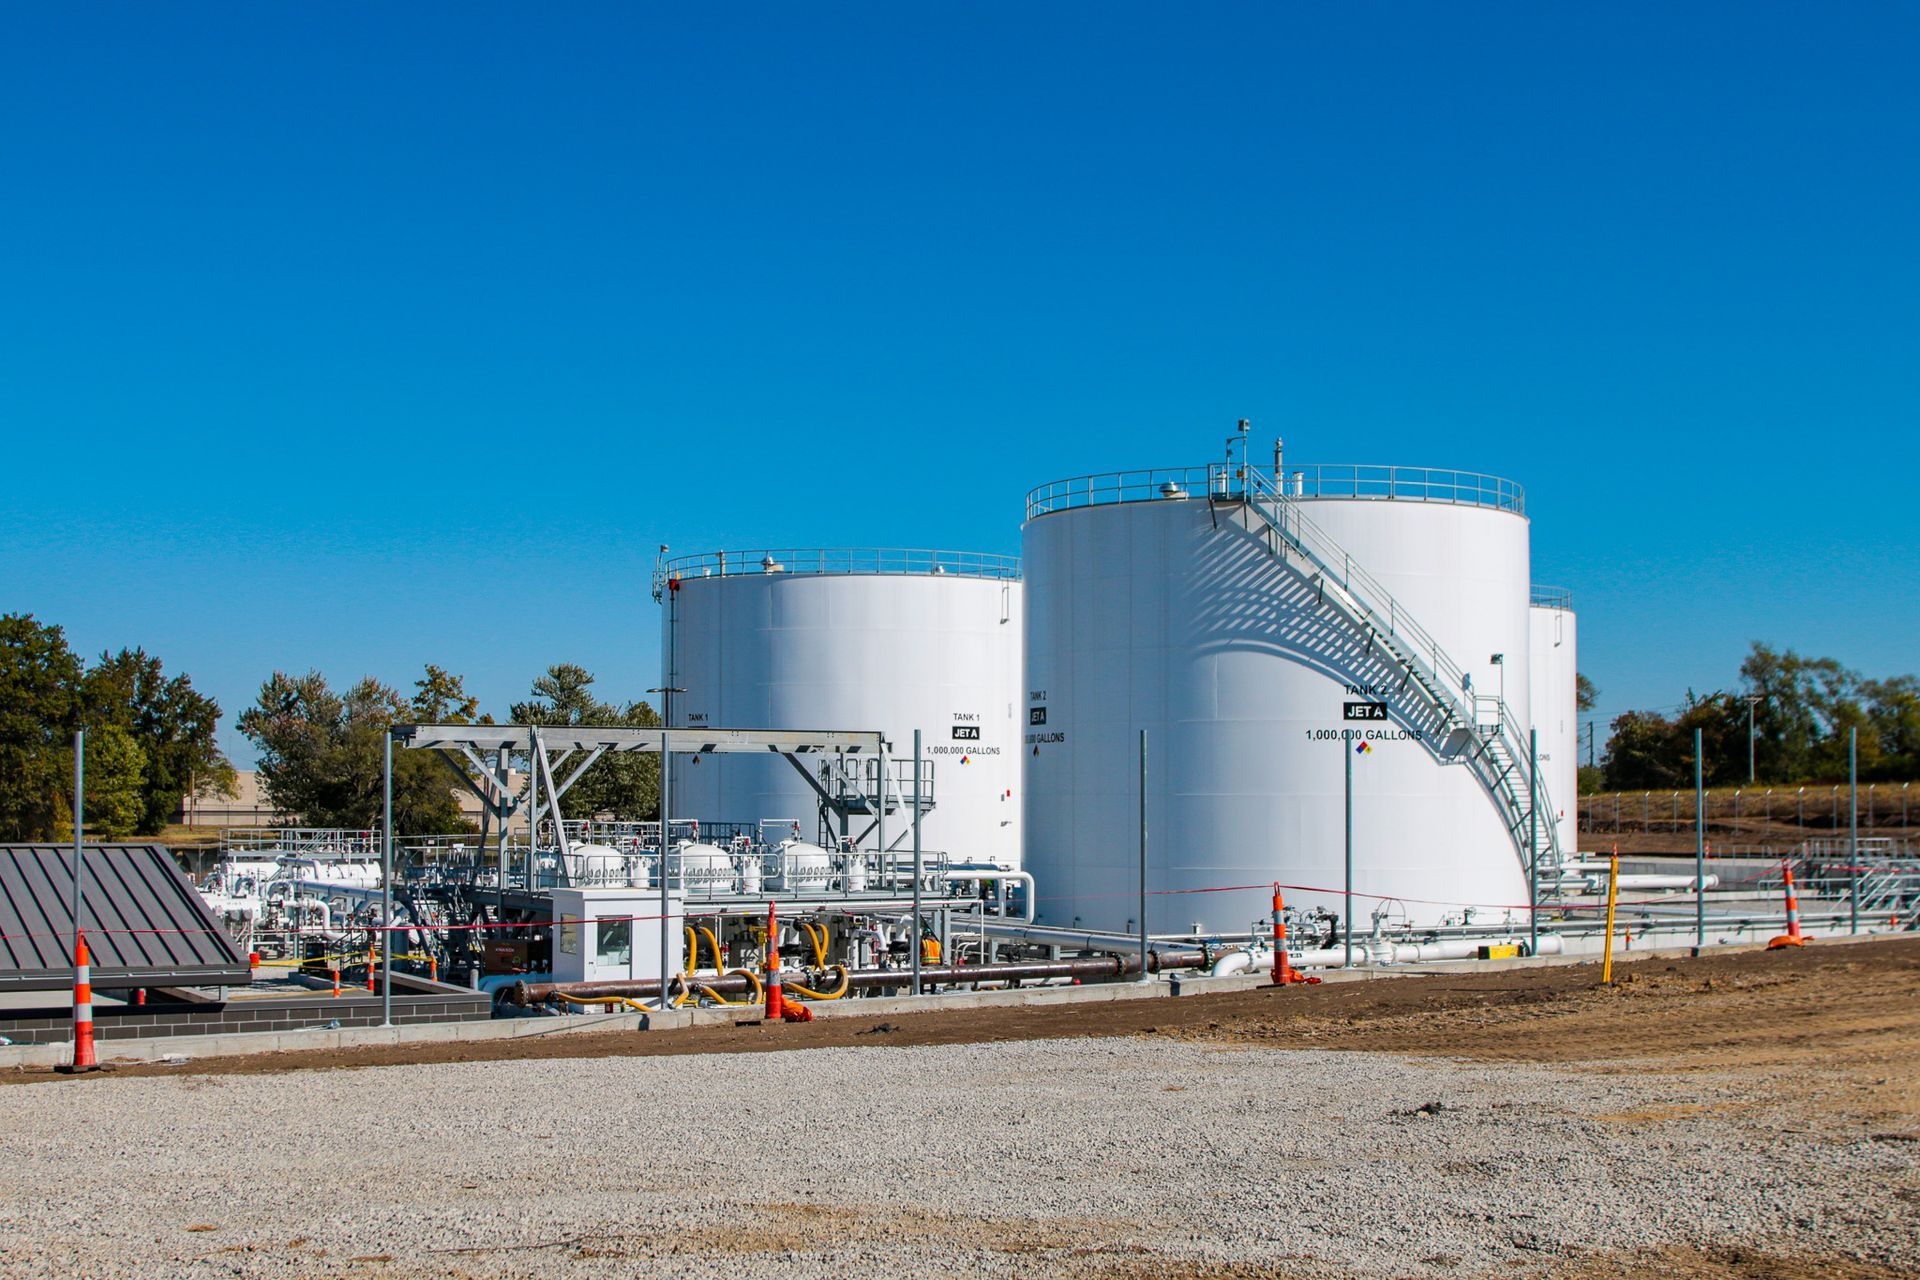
[1283, 972]
[83, 1059]
[1792, 937]
[776, 1005]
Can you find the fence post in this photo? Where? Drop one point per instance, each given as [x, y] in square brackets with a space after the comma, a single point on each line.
[1699, 845]
[1853, 826]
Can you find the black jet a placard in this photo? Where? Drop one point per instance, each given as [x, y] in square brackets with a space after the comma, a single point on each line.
[1366, 711]
[966, 733]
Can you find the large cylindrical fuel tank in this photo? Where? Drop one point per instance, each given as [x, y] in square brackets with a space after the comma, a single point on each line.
[883, 640]
[1157, 602]
[1553, 665]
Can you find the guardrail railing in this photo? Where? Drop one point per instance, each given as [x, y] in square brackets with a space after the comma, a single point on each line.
[1545, 597]
[1317, 480]
[843, 560]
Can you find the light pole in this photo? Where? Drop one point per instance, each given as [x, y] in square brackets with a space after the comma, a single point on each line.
[1145, 945]
[919, 868]
[386, 882]
[79, 827]
[1753, 700]
[666, 831]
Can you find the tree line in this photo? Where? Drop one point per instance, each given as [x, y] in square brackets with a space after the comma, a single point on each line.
[150, 738]
[322, 751]
[1803, 711]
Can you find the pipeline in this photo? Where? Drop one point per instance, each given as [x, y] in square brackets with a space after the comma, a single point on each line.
[1375, 951]
[1085, 968]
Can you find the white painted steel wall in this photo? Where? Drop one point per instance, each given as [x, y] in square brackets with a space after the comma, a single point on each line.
[890, 652]
[1149, 615]
[1554, 664]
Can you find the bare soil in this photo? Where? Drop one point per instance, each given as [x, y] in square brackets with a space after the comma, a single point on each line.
[1837, 1023]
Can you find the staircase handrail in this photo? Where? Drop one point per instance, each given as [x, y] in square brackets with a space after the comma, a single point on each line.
[1442, 674]
[1310, 540]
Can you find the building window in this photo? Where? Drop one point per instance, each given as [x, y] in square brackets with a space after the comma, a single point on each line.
[615, 944]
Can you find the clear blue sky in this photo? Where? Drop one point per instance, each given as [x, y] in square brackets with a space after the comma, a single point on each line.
[361, 336]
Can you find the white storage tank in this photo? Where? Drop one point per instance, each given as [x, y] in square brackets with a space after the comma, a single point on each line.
[886, 640]
[1554, 663]
[1157, 601]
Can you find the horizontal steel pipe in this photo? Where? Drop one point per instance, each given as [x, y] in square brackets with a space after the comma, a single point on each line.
[1085, 968]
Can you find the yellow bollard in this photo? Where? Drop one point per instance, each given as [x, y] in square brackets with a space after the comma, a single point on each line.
[1613, 892]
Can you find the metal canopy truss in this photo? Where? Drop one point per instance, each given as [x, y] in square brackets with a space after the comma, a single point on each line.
[514, 737]
[576, 748]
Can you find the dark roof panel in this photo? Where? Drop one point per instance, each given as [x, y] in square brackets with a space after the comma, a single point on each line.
[146, 926]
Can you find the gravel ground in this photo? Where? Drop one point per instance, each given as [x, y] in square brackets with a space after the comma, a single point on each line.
[1118, 1157]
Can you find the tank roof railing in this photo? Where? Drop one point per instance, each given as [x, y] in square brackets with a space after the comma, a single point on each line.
[1313, 480]
[843, 560]
[1545, 597]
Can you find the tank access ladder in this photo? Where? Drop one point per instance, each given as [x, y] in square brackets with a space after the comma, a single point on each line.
[1479, 730]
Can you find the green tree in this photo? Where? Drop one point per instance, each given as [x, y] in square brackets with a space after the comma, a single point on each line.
[116, 770]
[1795, 718]
[1641, 754]
[39, 710]
[627, 784]
[1893, 708]
[440, 697]
[1722, 722]
[174, 726]
[321, 757]
[1585, 693]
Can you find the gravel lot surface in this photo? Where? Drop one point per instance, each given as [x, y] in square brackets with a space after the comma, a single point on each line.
[1131, 1157]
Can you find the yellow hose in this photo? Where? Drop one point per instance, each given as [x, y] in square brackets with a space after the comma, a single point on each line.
[357, 957]
[817, 935]
[692, 953]
[759, 988]
[719, 962]
[846, 981]
[630, 1003]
